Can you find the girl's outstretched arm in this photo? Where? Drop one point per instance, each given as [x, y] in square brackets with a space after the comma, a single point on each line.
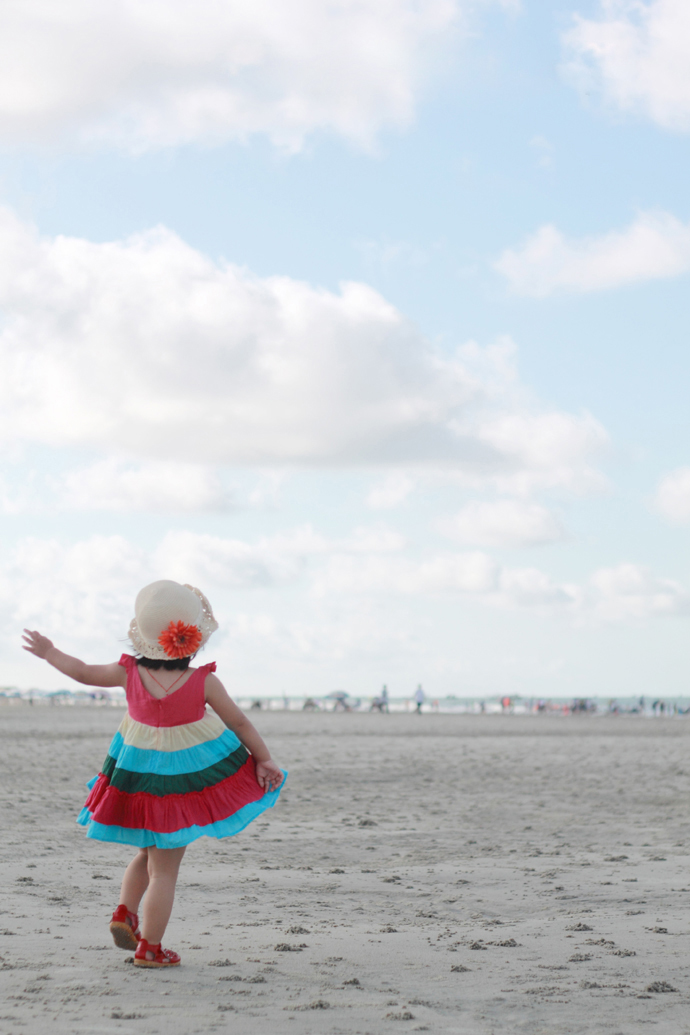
[92, 675]
[268, 774]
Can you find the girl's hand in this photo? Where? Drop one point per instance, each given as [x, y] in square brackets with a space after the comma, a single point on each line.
[269, 775]
[36, 644]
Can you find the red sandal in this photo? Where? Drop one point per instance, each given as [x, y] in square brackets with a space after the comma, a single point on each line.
[124, 928]
[161, 957]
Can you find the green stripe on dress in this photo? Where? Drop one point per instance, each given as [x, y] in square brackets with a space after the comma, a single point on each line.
[160, 785]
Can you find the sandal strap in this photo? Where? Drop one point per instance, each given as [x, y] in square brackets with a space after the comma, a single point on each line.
[160, 955]
[143, 947]
[133, 921]
[122, 915]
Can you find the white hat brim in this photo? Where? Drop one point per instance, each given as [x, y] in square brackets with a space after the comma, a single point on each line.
[206, 625]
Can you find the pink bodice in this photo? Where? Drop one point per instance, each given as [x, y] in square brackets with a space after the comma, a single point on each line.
[187, 704]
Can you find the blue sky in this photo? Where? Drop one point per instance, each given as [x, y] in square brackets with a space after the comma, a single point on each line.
[370, 320]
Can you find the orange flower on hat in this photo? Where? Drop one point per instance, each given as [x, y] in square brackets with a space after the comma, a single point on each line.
[179, 640]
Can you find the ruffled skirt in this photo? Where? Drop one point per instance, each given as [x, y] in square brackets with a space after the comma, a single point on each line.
[167, 786]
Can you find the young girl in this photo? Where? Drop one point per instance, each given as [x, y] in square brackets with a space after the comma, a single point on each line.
[173, 771]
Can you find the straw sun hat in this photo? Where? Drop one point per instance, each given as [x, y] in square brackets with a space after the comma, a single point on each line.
[170, 621]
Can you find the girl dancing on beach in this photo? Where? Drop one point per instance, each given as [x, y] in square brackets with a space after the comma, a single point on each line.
[173, 771]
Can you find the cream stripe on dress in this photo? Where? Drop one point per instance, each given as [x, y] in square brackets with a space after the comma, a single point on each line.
[171, 738]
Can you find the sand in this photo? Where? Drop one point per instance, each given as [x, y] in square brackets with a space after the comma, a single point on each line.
[469, 874]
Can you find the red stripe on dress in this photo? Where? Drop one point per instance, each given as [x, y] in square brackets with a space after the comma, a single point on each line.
[166, 815]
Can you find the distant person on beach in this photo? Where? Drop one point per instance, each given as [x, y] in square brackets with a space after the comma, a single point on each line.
[380, 703]
[174, 771]
[419, 698]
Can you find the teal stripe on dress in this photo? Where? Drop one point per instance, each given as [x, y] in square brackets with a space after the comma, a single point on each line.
[146, 838]
[181, 783]
[172, 763]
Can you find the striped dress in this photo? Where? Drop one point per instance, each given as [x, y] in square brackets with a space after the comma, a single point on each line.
[173, 772]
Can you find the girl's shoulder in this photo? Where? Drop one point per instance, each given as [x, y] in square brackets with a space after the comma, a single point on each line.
[200, 675]
[207, 669]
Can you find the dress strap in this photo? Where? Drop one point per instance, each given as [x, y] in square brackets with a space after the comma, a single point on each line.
[127, 662]
[206, 669]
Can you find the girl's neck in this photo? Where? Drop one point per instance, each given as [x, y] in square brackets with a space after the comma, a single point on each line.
[167, 684]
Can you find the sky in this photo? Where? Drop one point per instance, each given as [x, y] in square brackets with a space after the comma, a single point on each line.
[367, 317]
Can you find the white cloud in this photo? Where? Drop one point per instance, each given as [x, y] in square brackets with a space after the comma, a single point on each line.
[391, 492]
[153, 74]
[529, 587]
[85, 591]
[207, 560]
[631, 592]
[166, 486]
[503, 523]
[78, 592]
[655, 245]
[376, 560]
[468, 573]
[333, 635]
[146, 348]
[474, 575]
[672, 497]
[267, 491]
[17, 496]
[273, 561]
[371, 539]
[638, 56]
[343, 594]
[625, 593]
[549, 450]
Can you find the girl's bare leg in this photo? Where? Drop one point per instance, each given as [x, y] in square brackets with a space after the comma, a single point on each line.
[135, 881]
[163, 867]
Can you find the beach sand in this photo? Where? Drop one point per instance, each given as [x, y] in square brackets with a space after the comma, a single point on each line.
[459, 874]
